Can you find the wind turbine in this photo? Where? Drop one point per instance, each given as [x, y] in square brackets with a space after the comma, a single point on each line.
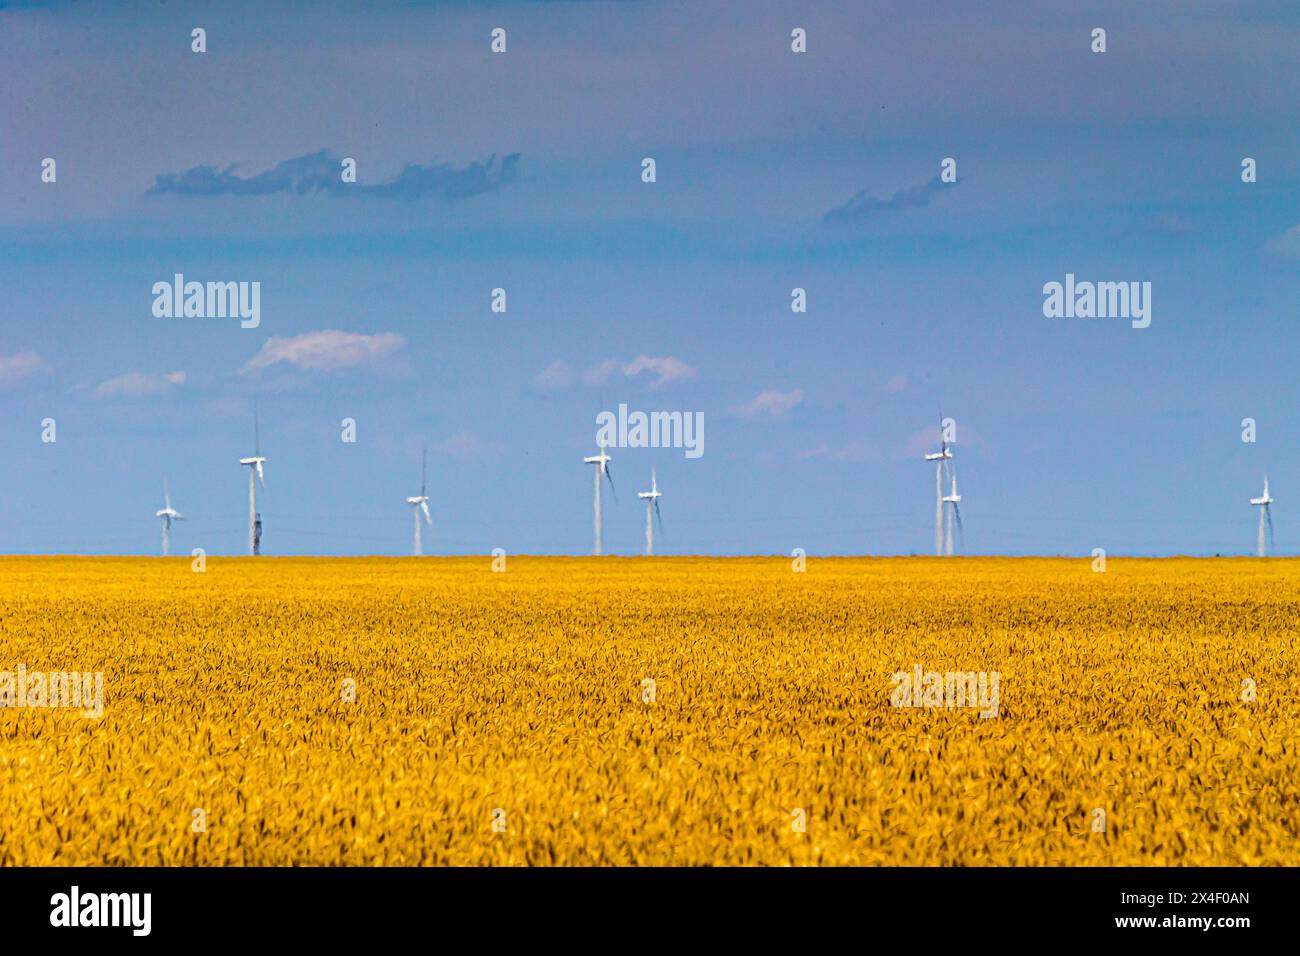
[939, 457]
[953, 499]
[651, 501]
[168, 514]
[420, 503]
[255, 465]
[601, 462]
[1265, 516]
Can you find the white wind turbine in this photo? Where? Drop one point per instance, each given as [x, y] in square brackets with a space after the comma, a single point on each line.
[420, 503]
[1265, 516]
[255, 465]
[651, 502]
[168, 515]
[601, 462]
[953, 499]
[939, 457]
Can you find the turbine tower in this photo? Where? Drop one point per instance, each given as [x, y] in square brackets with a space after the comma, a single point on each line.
[168, 515]
[651, 502]
[939, 457]
[601, 462]
[953, 499]
[1265, 517]
[255, 465]
[420, 503]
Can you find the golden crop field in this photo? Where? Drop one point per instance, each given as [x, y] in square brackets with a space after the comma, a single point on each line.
[508, 718]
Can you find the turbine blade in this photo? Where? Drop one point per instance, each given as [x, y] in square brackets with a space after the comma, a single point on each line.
[424, 506]
[610, 477]
[424, 469]
[1268, 514]
[261, 477]
[659, 515]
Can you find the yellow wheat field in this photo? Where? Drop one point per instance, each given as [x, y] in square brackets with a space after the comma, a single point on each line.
[507, 718]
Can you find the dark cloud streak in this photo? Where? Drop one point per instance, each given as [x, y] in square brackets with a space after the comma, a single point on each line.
[321, 173]
[862, 205]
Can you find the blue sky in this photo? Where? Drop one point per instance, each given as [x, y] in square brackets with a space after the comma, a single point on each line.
[523, 172]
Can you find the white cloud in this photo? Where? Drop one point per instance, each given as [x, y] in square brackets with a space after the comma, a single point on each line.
[599, 374]
[771, 403]
[666, 368]
[556, 375]
[325, 351]
[14, 368]
[138, 384]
